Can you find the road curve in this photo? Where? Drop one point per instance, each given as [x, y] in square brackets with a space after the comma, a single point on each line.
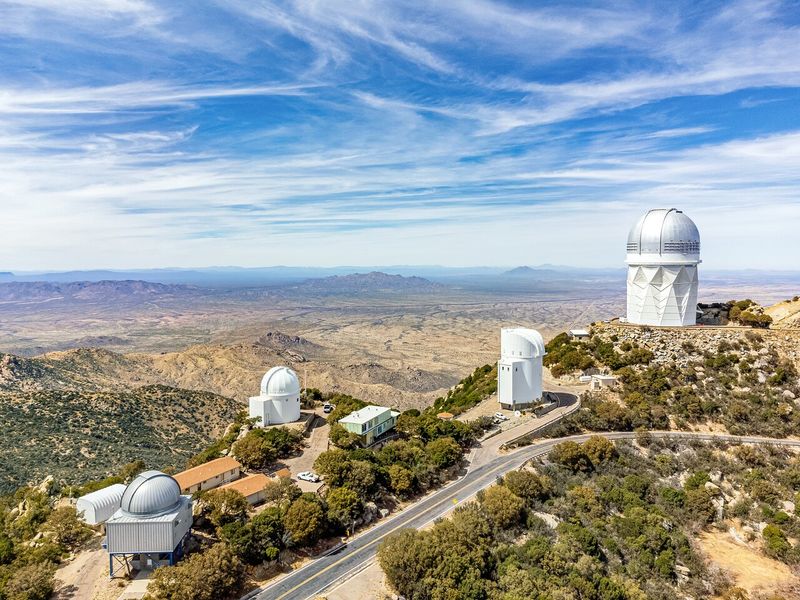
[324, 573]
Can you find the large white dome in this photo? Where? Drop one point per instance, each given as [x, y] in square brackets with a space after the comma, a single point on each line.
[664, 231]
[151, 493]
[280, 381]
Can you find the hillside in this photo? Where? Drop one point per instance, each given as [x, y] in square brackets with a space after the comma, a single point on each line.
[739, 380]
[785, 314]
[76, 436]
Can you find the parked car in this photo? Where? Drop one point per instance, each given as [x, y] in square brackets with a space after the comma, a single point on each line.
[308, 476]
[501, 416]
[327, 408]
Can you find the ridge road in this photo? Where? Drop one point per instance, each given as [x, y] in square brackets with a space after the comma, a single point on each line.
[323, 573]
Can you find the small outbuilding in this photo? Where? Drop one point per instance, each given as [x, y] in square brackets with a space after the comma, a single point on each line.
[579, 334]
[97, 507]
[603, 381]
[251, 487]
[209, 475]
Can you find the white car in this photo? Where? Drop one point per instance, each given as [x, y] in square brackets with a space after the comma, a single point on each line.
[501, 416]
[308, 476]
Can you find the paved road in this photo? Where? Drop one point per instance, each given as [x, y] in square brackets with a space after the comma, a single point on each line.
[325, 573]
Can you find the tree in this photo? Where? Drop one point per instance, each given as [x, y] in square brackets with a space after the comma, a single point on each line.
[7, 552]
[599, 449]
[215, 574]
[528, 486]
[257, 541]
[572, 456]
[401, 480]
[226, 506]
[332, 465]
[342, 438]
[344, 506]
[67, 529]
[503, 507]
[443, 452]
[283, 491]
[254, 452]
[304, 521]
[360, 476]
[31, 582]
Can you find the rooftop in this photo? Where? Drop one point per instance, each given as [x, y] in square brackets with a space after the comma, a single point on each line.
[199, 474]
[579, 333]
[364, 415]
[247, 486]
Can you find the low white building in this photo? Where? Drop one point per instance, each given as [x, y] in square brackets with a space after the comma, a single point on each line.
[279, 401]
[519, 370]
[97, 507]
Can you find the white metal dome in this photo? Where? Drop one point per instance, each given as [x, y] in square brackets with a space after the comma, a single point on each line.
[151, 493]
[521, 342]
[280, 381]
[664, 231]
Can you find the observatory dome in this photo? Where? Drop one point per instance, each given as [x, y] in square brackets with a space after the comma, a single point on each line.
[280, 381]
[663, 232]
[152, 493]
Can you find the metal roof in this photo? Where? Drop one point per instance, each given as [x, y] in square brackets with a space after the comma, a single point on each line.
[663, 231]
[150, 494]
[280, 381]
[365, 415]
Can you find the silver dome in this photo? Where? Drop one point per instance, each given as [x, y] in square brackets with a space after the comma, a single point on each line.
[151, 493]
[664, 231]
[280, 381]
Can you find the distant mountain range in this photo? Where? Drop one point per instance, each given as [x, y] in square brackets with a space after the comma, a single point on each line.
[374, 282]
[87, 291]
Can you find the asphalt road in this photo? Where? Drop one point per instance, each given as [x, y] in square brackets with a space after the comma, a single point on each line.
[330, 571]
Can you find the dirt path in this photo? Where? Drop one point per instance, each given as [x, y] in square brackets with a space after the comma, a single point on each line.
[84, 577]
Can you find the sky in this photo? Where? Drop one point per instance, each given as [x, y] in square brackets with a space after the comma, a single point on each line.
[139, 134]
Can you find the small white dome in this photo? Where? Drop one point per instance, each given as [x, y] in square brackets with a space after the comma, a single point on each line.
[151, 493]
[280, 381]
[664, 231]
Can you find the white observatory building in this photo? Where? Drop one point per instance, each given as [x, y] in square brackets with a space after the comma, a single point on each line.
[663, 254]
[279, 401]
[519, 370]
[151, 523]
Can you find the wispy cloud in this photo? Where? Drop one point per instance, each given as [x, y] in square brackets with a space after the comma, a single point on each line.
[323, 132]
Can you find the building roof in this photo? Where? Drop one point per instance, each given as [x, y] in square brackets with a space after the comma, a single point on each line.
[247, 486]
[664, 231]
[280, 381]
[151, 493]
[520, 342]
[364, 415]
[284, 472]
[164, 517]
[104, 499]
[191, 477]
[579, 332]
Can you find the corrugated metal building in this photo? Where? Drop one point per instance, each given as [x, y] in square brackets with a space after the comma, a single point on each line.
[152, 522]
[97, 507]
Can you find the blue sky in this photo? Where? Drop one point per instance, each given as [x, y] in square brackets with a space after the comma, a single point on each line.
[136, 133]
